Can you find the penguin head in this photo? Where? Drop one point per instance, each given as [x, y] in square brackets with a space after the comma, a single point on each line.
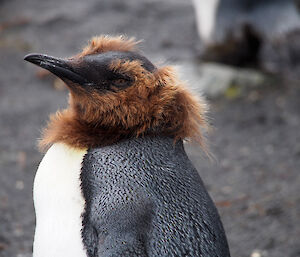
[99, 72]
[117, 93]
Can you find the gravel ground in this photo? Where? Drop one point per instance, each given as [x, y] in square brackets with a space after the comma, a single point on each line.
[256, 141]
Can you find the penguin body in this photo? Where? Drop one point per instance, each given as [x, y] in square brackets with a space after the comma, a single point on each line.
[116, 180]
[147, 203]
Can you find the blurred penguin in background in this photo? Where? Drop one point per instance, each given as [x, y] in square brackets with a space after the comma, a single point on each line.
[234, 32]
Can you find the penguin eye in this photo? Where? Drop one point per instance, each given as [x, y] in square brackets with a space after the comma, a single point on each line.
[121, 82]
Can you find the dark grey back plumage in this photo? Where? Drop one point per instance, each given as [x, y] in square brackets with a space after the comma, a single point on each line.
[145, 198]
[272, 18]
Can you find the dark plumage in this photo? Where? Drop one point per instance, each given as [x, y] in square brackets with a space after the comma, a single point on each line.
[125, 124]
[145, 198]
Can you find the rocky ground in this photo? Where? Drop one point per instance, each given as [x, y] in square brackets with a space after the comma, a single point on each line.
[254, 178]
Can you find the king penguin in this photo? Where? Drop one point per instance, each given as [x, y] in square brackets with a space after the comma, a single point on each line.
[219, 19]
[243, 33]
[115, 180]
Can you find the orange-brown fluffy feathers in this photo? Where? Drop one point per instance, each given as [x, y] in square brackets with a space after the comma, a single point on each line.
[103, 44]
[157, 103]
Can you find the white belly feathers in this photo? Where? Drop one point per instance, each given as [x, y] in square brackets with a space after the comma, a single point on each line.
[59, 204]
[206, 12]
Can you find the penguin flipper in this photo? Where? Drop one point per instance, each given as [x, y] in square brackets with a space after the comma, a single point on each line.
[120, 232]
[118, 216]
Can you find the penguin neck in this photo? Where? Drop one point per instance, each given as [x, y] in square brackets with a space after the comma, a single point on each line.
[153, 143]
[66, 127]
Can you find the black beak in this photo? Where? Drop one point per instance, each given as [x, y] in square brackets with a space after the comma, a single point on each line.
[59, 67]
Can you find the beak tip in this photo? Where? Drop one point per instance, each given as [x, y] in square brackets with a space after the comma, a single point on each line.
[26, 57]
[31, 58]
[59, 67]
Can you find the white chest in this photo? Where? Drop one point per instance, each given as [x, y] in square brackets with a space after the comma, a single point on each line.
[59, 204]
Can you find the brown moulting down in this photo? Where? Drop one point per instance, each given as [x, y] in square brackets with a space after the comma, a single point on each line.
[106, 43]
[156, 103]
